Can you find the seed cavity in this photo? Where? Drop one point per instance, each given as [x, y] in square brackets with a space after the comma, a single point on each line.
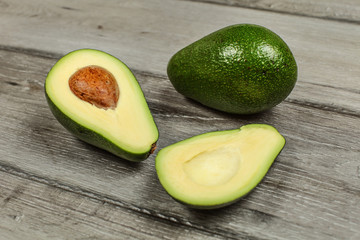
[213, 167]
[95, 85]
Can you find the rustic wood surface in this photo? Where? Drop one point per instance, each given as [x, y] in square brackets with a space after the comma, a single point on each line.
[53, 186]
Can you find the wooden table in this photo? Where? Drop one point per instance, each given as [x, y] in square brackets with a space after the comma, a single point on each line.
[53, 186]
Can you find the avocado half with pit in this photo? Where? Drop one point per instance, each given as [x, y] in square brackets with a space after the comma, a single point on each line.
[97, 98]
[216, 169]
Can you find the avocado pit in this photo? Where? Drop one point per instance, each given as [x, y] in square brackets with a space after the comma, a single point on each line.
[95, 85]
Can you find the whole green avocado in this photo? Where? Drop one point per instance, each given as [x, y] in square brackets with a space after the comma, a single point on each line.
[242, 69]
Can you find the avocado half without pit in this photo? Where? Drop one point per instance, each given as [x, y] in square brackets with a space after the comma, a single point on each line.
[216, 169]
[97, 98]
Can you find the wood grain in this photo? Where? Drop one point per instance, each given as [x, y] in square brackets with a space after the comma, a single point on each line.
[327, 52]
[328, 9]
[55, 186]
[32, 208]
[304, 190]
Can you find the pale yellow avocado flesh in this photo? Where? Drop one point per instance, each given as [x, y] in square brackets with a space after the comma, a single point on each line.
[129, 125]
[219, 167]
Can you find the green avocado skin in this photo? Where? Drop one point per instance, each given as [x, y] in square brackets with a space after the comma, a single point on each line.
[92, 137]
[242, 69]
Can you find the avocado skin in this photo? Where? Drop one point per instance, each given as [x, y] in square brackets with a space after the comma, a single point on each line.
[92, 137]
[209, 207]
[242, 69]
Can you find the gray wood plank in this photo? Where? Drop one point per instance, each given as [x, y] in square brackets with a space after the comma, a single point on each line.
[32, 208]
[347, 10]
[145, 34]
[312, 188]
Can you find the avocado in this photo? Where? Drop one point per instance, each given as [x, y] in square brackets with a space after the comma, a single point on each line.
[97, 98]
[241, 69]
[216, 169]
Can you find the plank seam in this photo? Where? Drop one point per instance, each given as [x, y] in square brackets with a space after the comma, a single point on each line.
[51, 55]
[128, 206]
[30, 52]
[276, 11]
[328, 108]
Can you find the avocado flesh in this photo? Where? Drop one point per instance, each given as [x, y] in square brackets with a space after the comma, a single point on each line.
[241, 69]
[215, 169]
[128, 130]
